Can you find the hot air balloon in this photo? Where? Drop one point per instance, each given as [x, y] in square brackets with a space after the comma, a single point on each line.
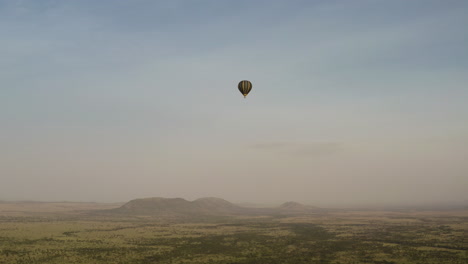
[244, 87]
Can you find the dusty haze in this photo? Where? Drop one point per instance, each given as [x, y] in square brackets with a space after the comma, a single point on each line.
[353, 102]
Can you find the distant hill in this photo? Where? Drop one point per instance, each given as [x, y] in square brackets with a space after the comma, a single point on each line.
[294, 207]
[158, 206]
[177, 206]
[215, 204]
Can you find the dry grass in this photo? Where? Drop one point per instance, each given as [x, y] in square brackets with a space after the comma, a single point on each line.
[63, 233]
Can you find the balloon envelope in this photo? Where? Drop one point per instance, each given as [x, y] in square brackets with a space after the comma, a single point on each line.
[244, 87]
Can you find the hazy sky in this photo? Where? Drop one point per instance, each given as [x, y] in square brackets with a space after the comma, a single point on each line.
[353, 102]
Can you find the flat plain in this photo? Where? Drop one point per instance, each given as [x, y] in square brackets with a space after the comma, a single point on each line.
[74, 233]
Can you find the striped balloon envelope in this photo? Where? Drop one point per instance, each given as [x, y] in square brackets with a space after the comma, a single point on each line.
[245, 87]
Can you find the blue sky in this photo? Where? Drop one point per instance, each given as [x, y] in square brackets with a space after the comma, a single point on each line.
[114, 100]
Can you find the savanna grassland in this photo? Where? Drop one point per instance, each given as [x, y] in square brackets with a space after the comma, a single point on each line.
[71, 234]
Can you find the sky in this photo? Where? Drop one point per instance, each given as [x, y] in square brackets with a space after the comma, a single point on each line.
[353, 102]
